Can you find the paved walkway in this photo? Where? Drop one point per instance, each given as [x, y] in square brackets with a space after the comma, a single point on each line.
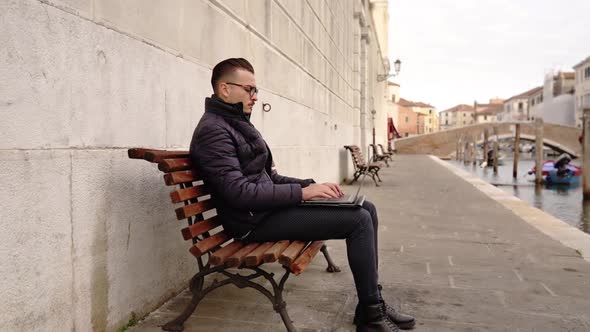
[452, 254]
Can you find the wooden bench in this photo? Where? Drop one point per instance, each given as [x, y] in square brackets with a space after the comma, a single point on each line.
[361, 167]
[378, 155]
[389, 152]
[216, 251]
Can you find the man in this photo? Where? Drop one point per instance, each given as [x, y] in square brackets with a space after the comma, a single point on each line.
[257, 204]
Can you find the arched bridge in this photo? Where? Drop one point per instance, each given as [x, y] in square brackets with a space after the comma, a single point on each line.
[444, 143]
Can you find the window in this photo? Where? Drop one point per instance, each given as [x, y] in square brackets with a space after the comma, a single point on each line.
[429, 121]
[446, 122]
[587, 73]
[520, 107]
[407, 120]
[463, 122]
[464, 114]
[485, 117]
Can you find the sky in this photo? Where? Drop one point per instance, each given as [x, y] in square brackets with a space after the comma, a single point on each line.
[458, 51]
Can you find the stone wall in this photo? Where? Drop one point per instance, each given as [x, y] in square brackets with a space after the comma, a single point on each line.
[89, 236]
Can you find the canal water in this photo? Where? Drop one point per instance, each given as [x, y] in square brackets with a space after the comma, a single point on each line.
[563, 202]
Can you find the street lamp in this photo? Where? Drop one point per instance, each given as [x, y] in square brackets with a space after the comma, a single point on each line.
[373, 112]
[396, 66]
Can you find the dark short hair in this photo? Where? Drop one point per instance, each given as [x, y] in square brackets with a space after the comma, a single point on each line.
[228, 66]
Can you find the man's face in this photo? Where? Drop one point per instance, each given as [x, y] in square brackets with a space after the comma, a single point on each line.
[239, 87]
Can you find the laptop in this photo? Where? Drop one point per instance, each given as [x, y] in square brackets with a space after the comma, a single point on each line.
[348, 200]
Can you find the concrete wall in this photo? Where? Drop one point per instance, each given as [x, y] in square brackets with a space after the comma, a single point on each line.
[89, 236]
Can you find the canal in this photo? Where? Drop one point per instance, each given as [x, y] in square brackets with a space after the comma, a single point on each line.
[563, 202]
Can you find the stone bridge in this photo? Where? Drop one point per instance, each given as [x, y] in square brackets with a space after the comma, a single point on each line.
[444, 143]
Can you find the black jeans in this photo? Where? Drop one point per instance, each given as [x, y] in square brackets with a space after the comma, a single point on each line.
[357, 225]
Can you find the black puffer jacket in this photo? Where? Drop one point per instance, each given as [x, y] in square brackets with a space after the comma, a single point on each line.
[236, 164]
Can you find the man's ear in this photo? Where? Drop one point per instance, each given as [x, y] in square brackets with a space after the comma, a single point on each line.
[223, 90]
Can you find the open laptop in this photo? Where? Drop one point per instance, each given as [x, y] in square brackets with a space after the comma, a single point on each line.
[348, 200]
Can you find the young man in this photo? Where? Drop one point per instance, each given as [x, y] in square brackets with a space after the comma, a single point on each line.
[257, 204]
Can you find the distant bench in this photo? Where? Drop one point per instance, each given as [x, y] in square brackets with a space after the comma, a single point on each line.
[362, 167]
[214, 249]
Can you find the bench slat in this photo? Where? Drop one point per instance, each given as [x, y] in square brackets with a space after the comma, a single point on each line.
[289, 255]
[194, 209]
[237, 258]
[209, 243]
[180, 177]
[273, 253]
[220, 256]
[181, 195]
[301, 263]
[173, 165]
[138, 153]
[156, 156]
[199, 228]
[254, 258]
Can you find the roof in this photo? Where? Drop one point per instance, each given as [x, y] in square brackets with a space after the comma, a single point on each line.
[570, 75]
[491, 110]
[460, 108]
[526, 94]
[409, 103]
[581, 63]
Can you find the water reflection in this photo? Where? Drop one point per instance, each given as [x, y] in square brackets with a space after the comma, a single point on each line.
[563, 202]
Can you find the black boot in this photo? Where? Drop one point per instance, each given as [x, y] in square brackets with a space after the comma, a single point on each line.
[376, 320]
[405, 322]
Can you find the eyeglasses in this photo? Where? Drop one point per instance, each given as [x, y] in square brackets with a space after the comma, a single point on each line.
[252, 90]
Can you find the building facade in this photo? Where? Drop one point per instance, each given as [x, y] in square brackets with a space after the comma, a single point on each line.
[457, 117]
[582, 89]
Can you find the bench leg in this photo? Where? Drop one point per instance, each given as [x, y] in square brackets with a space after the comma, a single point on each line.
[331, 266]
[374, 179]
[355, 177]
[196, 287]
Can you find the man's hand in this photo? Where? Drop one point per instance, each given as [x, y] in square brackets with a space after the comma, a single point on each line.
[335, 187]
[326, 190]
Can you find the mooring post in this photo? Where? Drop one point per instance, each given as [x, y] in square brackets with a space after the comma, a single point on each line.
[485, 144]
[516, 151]
[538, 150]
[586, 152]
[496, 148]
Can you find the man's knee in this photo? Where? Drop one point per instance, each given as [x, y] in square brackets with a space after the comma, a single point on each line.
[370, 207]
[364, 220]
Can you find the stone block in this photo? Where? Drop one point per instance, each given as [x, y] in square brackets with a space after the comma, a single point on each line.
[229, 39]
[159, 22]
[83, 8]
[36, 241]
[128, 251]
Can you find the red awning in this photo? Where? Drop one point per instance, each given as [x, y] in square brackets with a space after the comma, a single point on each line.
[391, 131]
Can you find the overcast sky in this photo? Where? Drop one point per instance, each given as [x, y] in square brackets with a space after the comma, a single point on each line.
[458, 51]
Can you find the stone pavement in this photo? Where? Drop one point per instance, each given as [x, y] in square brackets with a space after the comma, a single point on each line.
[449, 254]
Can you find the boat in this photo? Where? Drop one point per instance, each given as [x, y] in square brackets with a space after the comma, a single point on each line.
[560, 171]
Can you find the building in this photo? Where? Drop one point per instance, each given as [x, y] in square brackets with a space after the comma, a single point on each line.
[582, 89]
[407, 123]
[430, 121]
[535, 104]
[485, 113]
[515, 107]
[558, 102]
[457, 117]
